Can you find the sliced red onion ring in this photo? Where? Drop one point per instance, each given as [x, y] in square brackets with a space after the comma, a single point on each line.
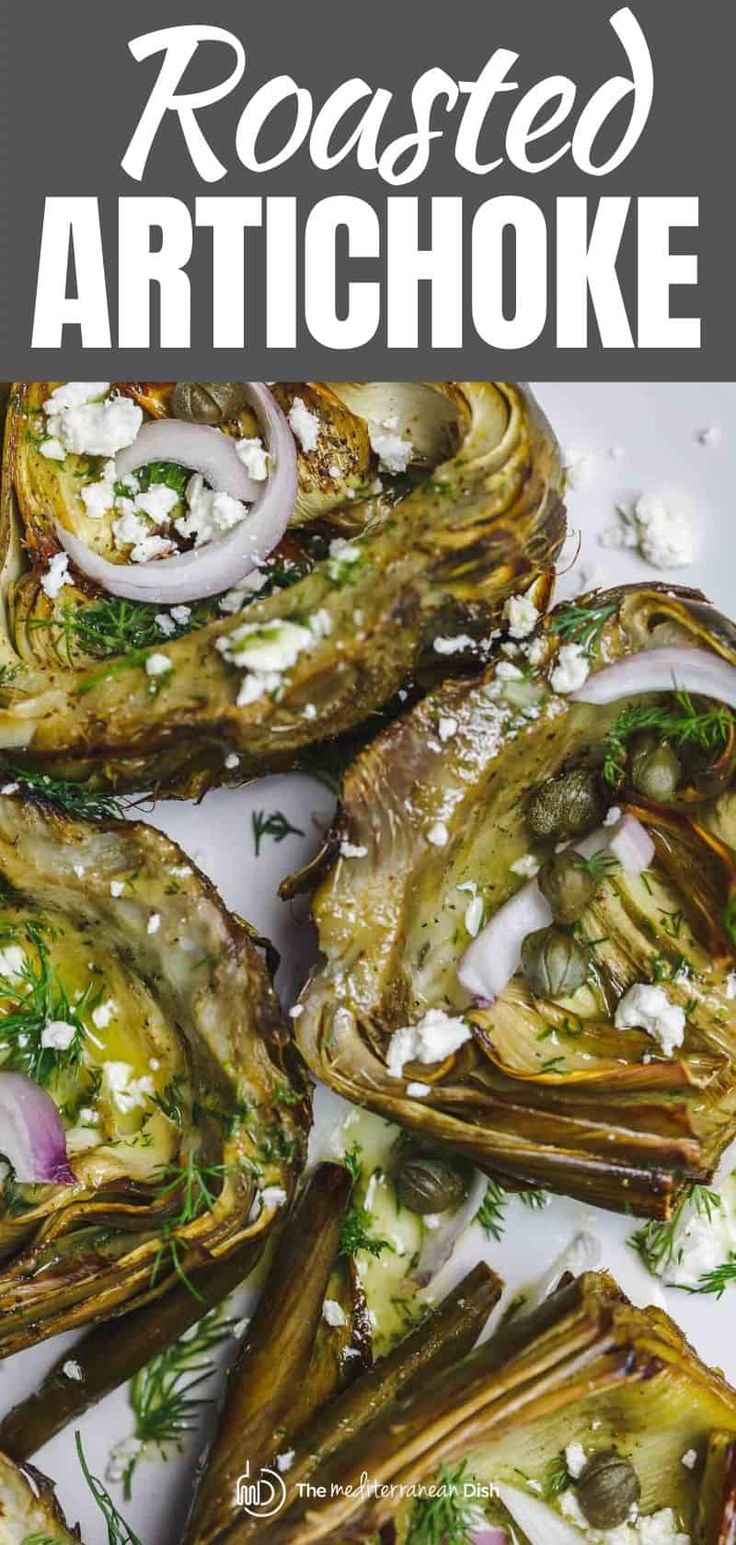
[439, 1243]
[197, 446]
[220, 564]
[494, 957]
[32, 1135]
[539, 1522]
[672, 669]
[489, 1536]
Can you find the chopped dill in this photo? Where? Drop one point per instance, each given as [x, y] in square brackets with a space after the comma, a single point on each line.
[657, 1243]
[196, 1187]
[162, 1396]
[74, 798]
[114, 626]
[490, 1214]
[557, 1479]
[581, 624]
[118, 1532]
[38, 998]
[274, 825]
[357, 1233]
[450, 1516]
[353, 1160]
[707, 730]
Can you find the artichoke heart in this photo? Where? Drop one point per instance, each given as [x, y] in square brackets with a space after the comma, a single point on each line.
[390, 562]
[556, 1077]
[141, 1006]
[29, 1512]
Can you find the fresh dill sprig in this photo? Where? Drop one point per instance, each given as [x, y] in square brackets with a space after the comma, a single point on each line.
[450, 1516]
[113, 626]
[658, 1243]
[162, 1396]
[577, 623]
[533, 1199]
[74, 798]
[118, 1532]
[196, 1187]
[39, 997]
[357, 1233]
[715, 1281]
[353, 1161]
[8, 674]
[490, 1214]
[273, 824]
[707, 730]
[599, 865]
[557, 1479]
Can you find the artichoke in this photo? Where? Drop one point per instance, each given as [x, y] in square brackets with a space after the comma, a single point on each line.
[542, 1082]
[29, 1512]
[584, 1371]
[144, 1011]
[433, 553]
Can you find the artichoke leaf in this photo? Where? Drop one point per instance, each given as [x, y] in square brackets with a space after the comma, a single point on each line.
[170, 1073]
[29, 1511]
[439, 552]
[547, 1092]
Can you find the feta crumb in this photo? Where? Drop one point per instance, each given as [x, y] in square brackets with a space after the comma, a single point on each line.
[663, 534]
[57, 1035]
[123, 1090]
[536, 651]
[97, 499]
[438, 835]
[157, 502]
[296, 1011]
[303, 424]
[53, 449]
[522, 616]
[264, 647]
[447, 727]
[232, 760]
[352, 850]
[117, 887]
[254, 456]
[273, 1196]
[647, 1007]
[120, 1456]
[507, 671]
[690, 1459]
[612, 816]
[12, 960]
[210, 512]
[575, 1459]
[571, 669]
[333, 1312]
[436, 1036]
[453, 645]
[579, 466]
[158, 664]
[72, 394]
[181, 615]
[103, 1013]
[474, 916]
[285, 1461]
[72, 1370]
[165, 624]
[154, 923]
[393, 452]
[94, 428]
[10, 788]
[56, 576]
[527, 866]
[417, 1091]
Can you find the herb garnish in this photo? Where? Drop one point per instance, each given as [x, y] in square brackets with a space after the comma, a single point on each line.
[357, 1234]
[162, 1393]
[115, 626]
[657, 1243]
[450, 1516]
[490, 1214]
[118, 1532]
[197, 1186]
[707, 730]
[558, 1478]
[40, 998]
[74, 798]
[274, 825]
[577, 623]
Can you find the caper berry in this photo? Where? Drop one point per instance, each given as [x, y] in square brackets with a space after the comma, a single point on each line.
[566, 806]
[426, 1183]
[554, 964]
[567, 884]
[607, 1489]
[655, 768]
[207, 402]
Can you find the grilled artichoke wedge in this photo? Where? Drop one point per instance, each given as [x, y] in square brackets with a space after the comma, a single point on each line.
[29, 1512]
[444, 818]
[585, 1381]
[435, 551]
[143, 1008]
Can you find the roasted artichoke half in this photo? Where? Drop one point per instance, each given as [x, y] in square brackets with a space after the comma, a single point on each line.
[374, 568]
[528, 924]
[586, 1415]
[140, 1031]
[29, 1512]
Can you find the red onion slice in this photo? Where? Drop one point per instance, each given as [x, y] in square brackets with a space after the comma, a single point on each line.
[220, 564]
[672, 669]
[494, 957]
[537, 1520]
[32, 1135]
[197, 446]
[489, 1536]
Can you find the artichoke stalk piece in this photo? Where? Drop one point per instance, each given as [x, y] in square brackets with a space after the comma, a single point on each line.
[144, 1009]
[586, 1369]
[443, 819]
[433, 553]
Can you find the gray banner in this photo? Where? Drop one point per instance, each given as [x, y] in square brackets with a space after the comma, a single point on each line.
[71, 95]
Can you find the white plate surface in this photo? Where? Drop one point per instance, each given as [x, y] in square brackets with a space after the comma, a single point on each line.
[653, 431]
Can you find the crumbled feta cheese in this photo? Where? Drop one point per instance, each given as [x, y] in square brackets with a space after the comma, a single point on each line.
[165, 624]
[73, 394]
[303, 424]
[333, 1312]
[507, 671]
[285, 1461]
[296, 1011]
[181, 615]
[254, 456]
[157, 502]
[436, 1036]
[266, 646]
[12, 960]
[438, 835]
[455, 645]
[120, 1457]
[123, 1090]
[571, 669]
[57, 1035]
[233, 600]
[689, 1459]
[474, 916]
[56, 576]
[232, 760]
[647, 1007]
[53, 449]
[97, 499]
[10, 788]
[273, 1196]
[352, 850]
[417, 1091]
[575, 1459]
[731, 985]
[612, 816]
[447, 727]
[154, 923]
[102, 1014]
[117, 887]
[210, 512]
[394, 453]
[663, 534]
[342, 556]
[158, 664]
[94, 428]
[579, 466]
[72, 1370]
[536, 651]
[527, 866]
[522, 616]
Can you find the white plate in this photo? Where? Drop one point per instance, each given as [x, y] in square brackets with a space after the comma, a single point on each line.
[655, 428]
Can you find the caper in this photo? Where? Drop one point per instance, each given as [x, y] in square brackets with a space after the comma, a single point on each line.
[427, 1183]
[567, 884]
[607, 1489]
[207, 402]
[566, 806]
[554, 964]
[655, 768]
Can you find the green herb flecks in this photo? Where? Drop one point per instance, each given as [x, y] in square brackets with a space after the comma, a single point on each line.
[534, 1199]
[578, 623]
[118, 1532]
[557, 1479]
[490, 1214]
[35, 998]
[273, 824]
[74, 798]
[658, 1243]
[707, 730]
[715, 1281]
[450, 1516]
[195, 1187]
[113, 626]
[162, 1394]
[357, 1233]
